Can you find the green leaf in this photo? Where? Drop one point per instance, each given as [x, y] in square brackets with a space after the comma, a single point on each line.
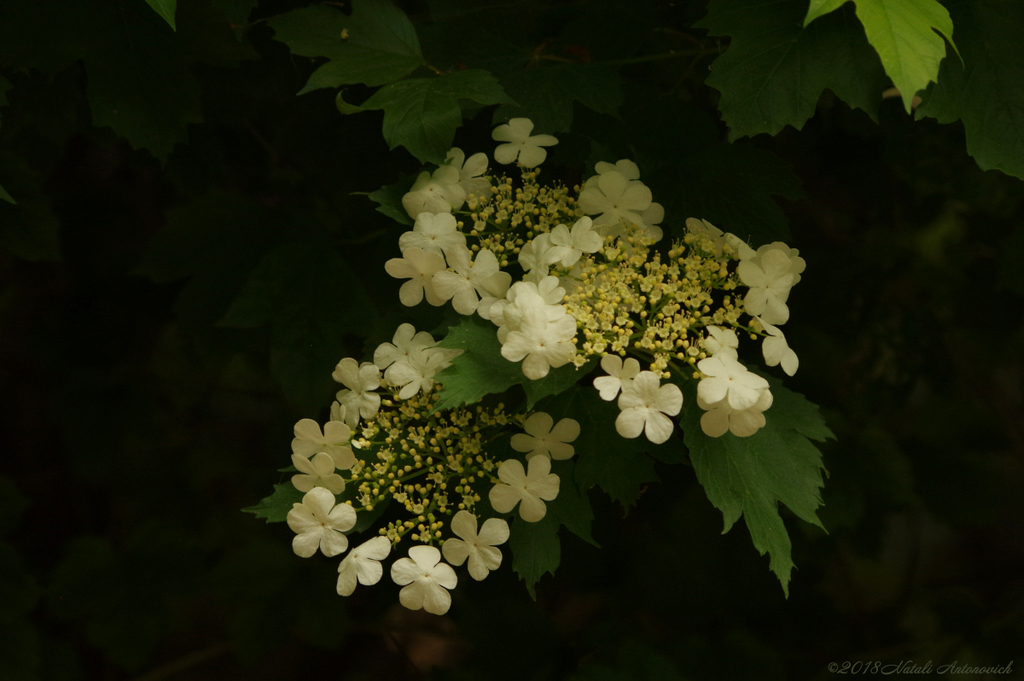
[633, 662]
[571, 506]
[535, 550]
[556, 382]
[422, 114]
[901, 32]
[603, 457]
[275, 507]
[236, 11]
[774, 71]
[5, 196]
[987, 90]
[166, 9]
[310, 296]
[480, 370]
[546, 95]
[750, 476]
[389, 200]
[731, 186]
[377, 44]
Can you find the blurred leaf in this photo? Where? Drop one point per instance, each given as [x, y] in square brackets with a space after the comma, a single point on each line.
[309, 295]
[19, 591]
[603, 457]
[237, 11]
[546, 95]
[986, 91]
[12, 505]
[166, 9]
[1011, 261]
[375, 45]
[749, 476]
[774, 71]
[535, 549]
[30, 228]
[275, 507]
[901, 32]
[632, 662]
[422, 114]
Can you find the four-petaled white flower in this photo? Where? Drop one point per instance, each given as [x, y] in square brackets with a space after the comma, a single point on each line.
[316, 472]
[479, 548]
[729, 380]
[318, 523]
[571, 245]
[539, 343]
[613, 199]
[721, 342]
[333, 440]
[519, 143]
[777, 351]
[405, 345]
[434, 234]
[440, 192]
[419, 267]
[796, 264]
[644, 408]
[770, 281]
[471, 174]
[544, 437]
[620, 376]
[529, 490]
[418, 373]
[362, 564]
[360, 380]
[721, 418]
[469, 277]
[425, 580]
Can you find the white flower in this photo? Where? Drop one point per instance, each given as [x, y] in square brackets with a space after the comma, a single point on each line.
[770, 281]
[317, 472]
[318, 523]
[425, 579]
[519, 143]
[461, 286]
[739, 247]
[362, 564]
[796, 263]
[539, 343]
[419, 267]
[418, 372]
[434, 234]
[729, 380]
[721, 342]
[582, 239]
[406, 344]
[532, 489]
[526, 295]
[620, 376]
[479, 548]
[707, 230]
[538, 253]
[437, 193]
[628, 169]
[492, 289]
[777, 351]
[471, 175]
[360, 380]
[541, 439]
[721, 418]
[615, 199]
[644, 408]
[334, 440]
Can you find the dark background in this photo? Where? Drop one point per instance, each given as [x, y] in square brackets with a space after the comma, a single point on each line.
[134, 424]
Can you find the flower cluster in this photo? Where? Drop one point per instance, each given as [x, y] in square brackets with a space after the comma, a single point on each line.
[570, 278]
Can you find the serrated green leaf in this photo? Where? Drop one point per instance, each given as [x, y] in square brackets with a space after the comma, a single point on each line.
[774, 71]
[901, 32]
[750, 476]
[535, 550]
[603, 457]
[546, 95]
[166, 9]
[422, 114]
[377, 44]
[275, 507]
[480, 370]
[986, 91]
[571, 506]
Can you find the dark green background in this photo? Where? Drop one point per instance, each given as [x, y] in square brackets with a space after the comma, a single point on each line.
[138, 416]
